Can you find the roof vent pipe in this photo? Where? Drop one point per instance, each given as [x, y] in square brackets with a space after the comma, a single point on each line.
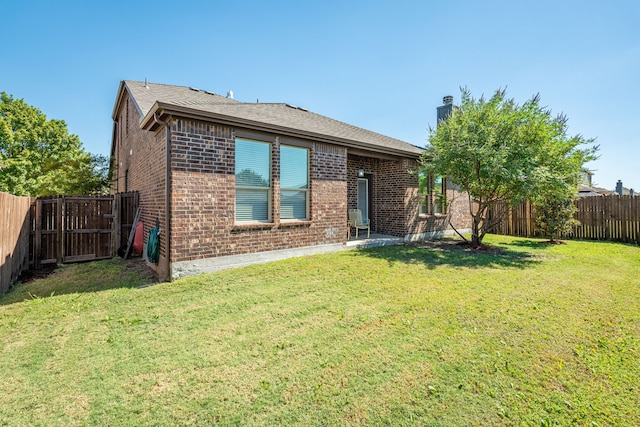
[230, 94]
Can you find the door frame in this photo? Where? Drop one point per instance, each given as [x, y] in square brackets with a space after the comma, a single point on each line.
[368, 178]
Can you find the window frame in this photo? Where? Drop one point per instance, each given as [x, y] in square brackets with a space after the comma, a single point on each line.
[268, 189]
[428, 203]
[306, 190]
[439, 207]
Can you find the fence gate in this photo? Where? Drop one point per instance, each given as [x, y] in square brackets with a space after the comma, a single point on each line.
[77, 228]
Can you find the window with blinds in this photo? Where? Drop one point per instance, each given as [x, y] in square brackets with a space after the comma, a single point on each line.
[294, 182]
[253, 180]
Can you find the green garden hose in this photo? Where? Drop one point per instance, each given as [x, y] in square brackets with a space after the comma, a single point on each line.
[153, 245]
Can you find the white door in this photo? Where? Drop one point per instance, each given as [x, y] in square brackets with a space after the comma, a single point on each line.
[363, 197]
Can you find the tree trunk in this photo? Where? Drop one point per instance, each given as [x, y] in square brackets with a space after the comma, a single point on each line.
[476, 234]
[476, 240]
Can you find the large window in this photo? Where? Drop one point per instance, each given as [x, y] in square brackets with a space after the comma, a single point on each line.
[253, 180]
[294, 182]
[432, 194]
[438, 195]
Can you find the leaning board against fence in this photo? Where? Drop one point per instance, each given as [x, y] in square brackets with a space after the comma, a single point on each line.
[614, 218]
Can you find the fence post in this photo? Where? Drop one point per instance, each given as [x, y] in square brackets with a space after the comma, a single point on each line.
[527, 211]
[59, 233]
[37, 236]
[117, 223]
[635, 202]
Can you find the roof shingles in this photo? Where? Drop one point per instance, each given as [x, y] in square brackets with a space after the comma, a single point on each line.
[147, 95]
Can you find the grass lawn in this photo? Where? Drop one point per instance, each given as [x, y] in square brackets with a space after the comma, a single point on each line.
[530, 334]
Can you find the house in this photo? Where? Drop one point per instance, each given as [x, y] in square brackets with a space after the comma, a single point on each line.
[232, 182]
[586, 187]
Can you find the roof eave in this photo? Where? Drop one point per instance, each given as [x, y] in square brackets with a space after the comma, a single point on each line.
[163, 110]
[121, 89]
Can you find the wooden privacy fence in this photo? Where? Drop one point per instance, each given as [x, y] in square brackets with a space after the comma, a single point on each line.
[14, 238]
[613, 218]
[69, 229]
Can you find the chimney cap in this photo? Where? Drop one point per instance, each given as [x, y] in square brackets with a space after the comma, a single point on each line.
[447, 100]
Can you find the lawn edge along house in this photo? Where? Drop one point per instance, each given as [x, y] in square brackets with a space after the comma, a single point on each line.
[232, 183]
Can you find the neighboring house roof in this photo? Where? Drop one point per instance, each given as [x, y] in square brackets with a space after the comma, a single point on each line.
[160, 99]
[586, 191]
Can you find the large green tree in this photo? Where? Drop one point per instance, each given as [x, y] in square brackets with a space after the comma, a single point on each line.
[39, 157]
[496, 150]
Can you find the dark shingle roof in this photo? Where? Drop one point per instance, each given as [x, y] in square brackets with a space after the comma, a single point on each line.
[278, 116]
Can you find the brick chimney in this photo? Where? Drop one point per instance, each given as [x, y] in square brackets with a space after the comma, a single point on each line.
[445, 109]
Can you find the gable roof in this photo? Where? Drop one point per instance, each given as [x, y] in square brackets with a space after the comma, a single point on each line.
[160, 99]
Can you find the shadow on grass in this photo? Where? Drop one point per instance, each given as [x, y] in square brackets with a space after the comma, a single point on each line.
[87, 277]
[433, 254]
[529, 243]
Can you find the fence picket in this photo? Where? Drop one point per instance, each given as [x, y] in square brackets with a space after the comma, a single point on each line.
[614, 218]
[14, 238]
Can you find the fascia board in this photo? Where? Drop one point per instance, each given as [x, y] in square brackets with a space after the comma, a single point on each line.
[148, 123]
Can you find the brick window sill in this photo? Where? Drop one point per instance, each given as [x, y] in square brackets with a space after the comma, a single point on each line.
[427, 216]
[294, 223]
[254, 225]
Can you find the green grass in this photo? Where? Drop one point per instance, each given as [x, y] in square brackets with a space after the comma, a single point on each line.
[530, 334]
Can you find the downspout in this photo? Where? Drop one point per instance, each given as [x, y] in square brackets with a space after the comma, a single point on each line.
[167, 213]
[114, 157]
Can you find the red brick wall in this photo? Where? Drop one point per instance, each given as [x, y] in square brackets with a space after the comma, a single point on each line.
[203, 196]
[370, 167]
[388, 192]
[457, 209]
[395, 198]
[142, 154]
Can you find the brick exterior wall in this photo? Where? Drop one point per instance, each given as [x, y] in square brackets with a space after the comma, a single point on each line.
[203, 197]
[395, 204]
[139, 160]
[457, 209]
[387, 190]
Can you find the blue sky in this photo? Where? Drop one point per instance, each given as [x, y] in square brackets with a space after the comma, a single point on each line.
[380, 65]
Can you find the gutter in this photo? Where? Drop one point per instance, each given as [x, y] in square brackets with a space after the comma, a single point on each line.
[167, 213]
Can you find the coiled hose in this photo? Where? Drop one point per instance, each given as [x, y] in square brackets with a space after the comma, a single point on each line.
[153, 245]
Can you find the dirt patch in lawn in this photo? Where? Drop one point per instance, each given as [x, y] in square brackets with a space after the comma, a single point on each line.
[31, 275]
[139, 265]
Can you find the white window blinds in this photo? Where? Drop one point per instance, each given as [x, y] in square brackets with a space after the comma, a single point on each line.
[253, 180]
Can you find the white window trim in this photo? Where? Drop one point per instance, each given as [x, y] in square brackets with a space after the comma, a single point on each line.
[307, 190]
